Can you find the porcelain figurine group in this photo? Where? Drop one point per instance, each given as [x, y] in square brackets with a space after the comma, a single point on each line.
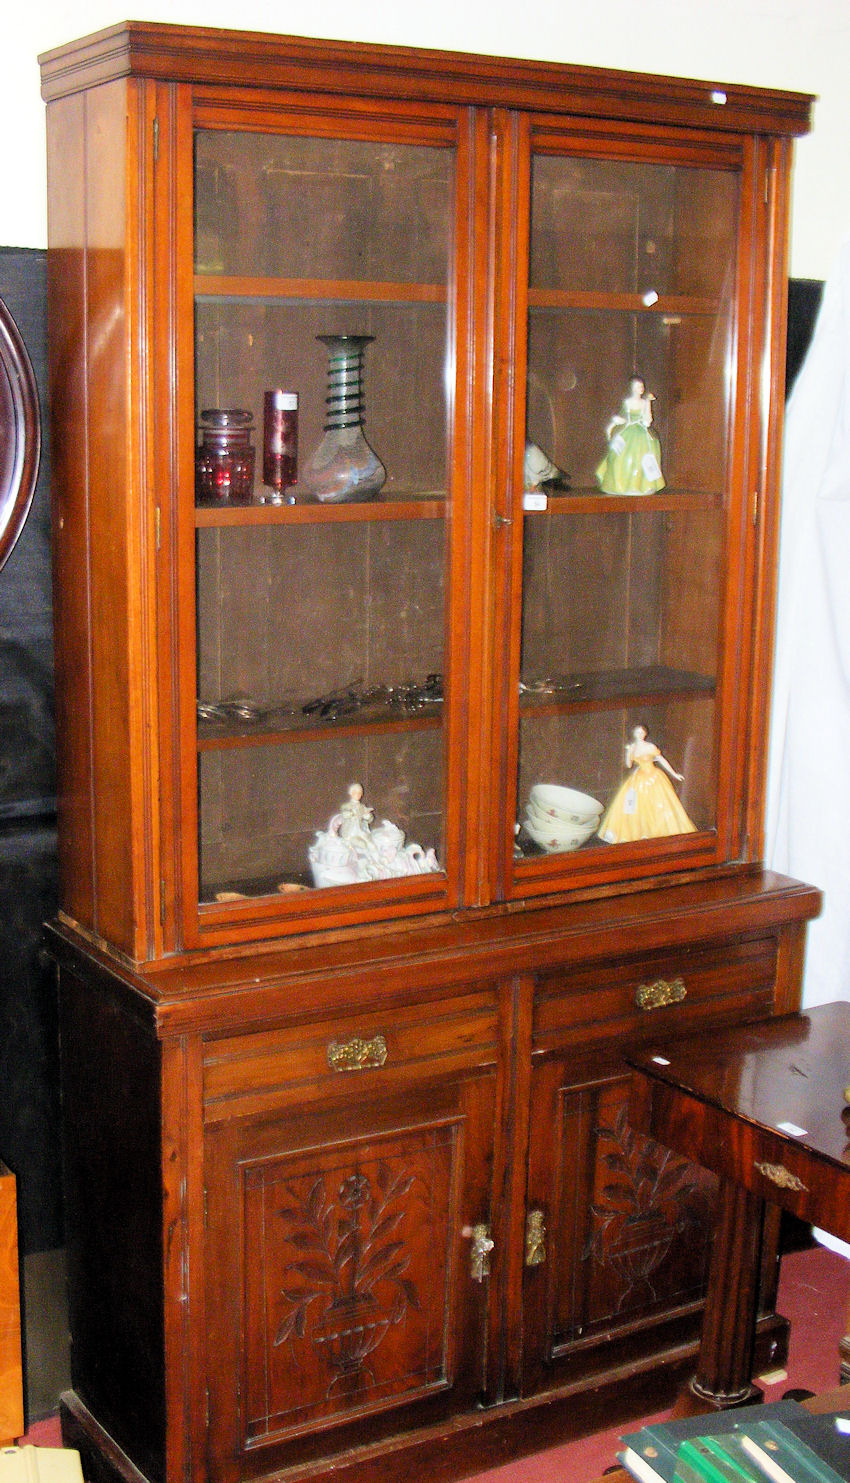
[350, 851]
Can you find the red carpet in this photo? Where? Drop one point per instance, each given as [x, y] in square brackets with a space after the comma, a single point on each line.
[813, 1294]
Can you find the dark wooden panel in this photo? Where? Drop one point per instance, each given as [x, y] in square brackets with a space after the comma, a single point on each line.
[113, 1175]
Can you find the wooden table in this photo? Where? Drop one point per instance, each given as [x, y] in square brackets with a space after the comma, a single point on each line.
[763, 1107]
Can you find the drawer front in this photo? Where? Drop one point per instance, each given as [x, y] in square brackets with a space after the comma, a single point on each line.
[659, 994]
[245, 1074]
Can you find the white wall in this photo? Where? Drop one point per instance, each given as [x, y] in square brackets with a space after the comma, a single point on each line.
[803, 45]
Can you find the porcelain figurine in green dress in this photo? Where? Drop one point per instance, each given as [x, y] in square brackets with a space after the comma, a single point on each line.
[632, 464]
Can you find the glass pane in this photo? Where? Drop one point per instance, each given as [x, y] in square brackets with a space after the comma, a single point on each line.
[294, 207]
[580, 364]
[630, 336]
[619, 227]
[247, 345]
[631, 640]
[320, 610]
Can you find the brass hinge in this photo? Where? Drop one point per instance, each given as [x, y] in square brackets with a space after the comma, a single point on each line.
[162, 902]
[755, 507]
[157, 526]
[155, 139]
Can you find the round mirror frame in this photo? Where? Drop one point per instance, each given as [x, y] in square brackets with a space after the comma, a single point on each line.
[20, 433]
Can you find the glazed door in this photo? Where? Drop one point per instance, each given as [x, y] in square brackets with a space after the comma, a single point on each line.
[624, 506]
[348, 1271]
[325, 688]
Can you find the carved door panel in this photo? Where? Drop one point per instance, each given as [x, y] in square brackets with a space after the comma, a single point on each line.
[618, 1230]
[339, 1271]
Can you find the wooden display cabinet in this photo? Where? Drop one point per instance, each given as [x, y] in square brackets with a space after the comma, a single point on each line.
[350, 1184]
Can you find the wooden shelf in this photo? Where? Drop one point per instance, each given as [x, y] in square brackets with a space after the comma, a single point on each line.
[593, 502]
[216, 736]
[631, 303]
[231, 892]
[433, 507]
[604, 690]
[429, 507]
[611, 688]
[338, 290]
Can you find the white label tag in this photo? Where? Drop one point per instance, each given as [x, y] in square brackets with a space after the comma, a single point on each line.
[535, 501]
[792, 1130]
[661, 1060]
[630, 801]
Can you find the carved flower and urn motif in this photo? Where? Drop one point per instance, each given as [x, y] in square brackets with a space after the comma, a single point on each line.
[349, 1284]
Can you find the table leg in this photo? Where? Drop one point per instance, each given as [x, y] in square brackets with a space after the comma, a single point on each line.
[725, 1366]
[844, 1352]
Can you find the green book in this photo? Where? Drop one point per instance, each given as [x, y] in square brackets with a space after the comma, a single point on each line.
[650, 1454]
[785, 1457]
[715, 1460]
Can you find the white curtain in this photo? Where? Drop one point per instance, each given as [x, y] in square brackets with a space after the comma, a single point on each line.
[808, 798]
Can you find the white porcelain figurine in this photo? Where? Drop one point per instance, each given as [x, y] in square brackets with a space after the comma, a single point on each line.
[350, 851]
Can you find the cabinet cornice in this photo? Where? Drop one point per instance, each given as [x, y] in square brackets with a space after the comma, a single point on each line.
[202, 56]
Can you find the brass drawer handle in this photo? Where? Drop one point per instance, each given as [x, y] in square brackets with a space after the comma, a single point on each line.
[664, 991]
[357, 1054]
[779, 1175]
[535, 1239]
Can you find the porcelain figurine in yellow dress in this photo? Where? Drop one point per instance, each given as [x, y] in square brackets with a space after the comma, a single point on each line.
[632, 464]
[646, 804]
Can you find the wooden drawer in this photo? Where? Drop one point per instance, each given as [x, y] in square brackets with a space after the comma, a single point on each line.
[245, 1074]
[640, 997]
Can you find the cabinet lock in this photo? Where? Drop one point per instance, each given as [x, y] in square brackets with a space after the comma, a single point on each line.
[662, 992]
[535, 1239]
[479, 1256]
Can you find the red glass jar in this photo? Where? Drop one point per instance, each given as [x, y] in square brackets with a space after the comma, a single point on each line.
[224, 460]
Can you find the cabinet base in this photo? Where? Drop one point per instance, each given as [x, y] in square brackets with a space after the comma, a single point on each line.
[472, 1443]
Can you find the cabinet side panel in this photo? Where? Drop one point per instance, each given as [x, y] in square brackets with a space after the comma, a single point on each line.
[111, 1094]
[111, 527]
[66, 290]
